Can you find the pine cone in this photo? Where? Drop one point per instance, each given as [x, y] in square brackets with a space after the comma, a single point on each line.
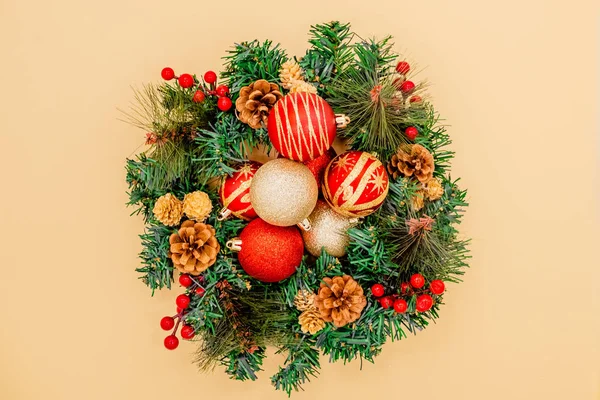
[304, 300]
[418, 200]
[433, 188]
[194, 247]
[197, 206]
[301, 86]
[340, 299]
[256, 101]
[311, 321]
[168, 209]
[412, 160]
[290, 72]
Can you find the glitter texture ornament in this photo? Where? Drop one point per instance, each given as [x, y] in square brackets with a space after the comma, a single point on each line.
[267, 252]
[283, 192]
[318, 165]
[328, 230]
[235, 193]
[355, 184]
[302, 126]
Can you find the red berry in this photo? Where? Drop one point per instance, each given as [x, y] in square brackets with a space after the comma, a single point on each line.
[224, 103]
[182, 301]
[386, 302]
[403, 67]
[179, 310]
[404, 287]
[186, 81]
[437, 286]
[167, 73]
[222, 90]
[398, 82]
[406, 87]
[171, 342]
[411, 132]
[167, 323]
[185, 280]
[198, 97]
[200, 291]
[377, 290]
[187, 332]
[400, 306]
[424, 302]
[416, 99]
[417, 281]
[210, 77]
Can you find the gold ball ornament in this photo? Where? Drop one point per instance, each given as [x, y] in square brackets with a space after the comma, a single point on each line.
[329, 231]
[284, 192]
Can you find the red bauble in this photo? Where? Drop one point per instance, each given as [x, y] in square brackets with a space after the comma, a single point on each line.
[270, 253]
[400, 306]
[424, 302]
[171, 342]
[224, 103]
[235, 193]
[186, 81]
[302, 126]
[318, 165]
[200, 291]
[437, 287]
[355, 184]
[403, 67]
[182, 301]
[167, 73]
[222, 90]
[411, 132]
[377, 290]
[187, 332]
[185, 280]
[198, 97]
[407, 87]
[210, 77]
[417, 281]
[386, 302]
[167, 323]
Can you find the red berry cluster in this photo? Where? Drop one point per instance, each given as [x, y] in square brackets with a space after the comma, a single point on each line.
[208, 87]
[415, 287]
[407, 87]
[183, 301]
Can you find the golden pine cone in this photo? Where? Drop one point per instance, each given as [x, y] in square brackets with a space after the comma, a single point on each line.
[301, 86]
[418, 200]
[290, 72]
[304, 300]
[168, 209]
[340, 300]
[255, 102]
[311, 321]
[197, 205]
[412, 160]
[194, 247]
[433, 188]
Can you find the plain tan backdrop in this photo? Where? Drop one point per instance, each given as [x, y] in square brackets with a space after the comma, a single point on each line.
[517, 81]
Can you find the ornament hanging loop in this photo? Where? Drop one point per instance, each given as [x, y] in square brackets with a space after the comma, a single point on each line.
[304, 225]
[234, 244]
[342, 120]
[224, 214]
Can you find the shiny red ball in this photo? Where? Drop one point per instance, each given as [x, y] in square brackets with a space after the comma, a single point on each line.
[403, 67]
[171, 342]
[185, 280]
[437, 286]
[270, 253]
[222, 90]
[224, 103]
[167, 323]
[407, 87]
[411, 132]
[318, 165]
[417, 281]
[400, 306]
[167, 73]
[187, 332]
[182, 301]
[200, 291]
[186, 81]
[404, 287]
[210, 77]
[386, 302]
[234, 192]
[424, 302]
[377, 290]
[199, 96]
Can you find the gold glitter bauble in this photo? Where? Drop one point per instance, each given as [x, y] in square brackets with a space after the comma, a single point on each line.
[283, 192]
[328, 230]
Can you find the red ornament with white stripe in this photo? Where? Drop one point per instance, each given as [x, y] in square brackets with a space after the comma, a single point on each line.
[302, 126]
[235, 193]
[355, 184]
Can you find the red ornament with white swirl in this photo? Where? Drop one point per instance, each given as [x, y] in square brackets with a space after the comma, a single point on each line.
[355, 184]
[302, 126]
[235, 193]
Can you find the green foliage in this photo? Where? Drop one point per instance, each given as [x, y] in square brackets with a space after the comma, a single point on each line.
[301, 364]
[157, 269]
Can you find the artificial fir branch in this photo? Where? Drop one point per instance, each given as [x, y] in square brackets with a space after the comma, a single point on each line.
[157, 270]
[302, 363]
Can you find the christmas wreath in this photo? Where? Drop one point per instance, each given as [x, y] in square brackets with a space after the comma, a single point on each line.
[311, 250]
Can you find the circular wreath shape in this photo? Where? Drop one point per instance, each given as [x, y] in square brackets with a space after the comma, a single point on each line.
[387, 210]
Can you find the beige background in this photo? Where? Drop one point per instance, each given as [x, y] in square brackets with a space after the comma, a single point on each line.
[516, 80]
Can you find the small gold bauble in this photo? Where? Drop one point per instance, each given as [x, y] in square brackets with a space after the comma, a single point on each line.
[328, 230]
[283, 192]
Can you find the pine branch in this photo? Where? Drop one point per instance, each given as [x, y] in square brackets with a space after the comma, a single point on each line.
[157, 267]
[301, 364]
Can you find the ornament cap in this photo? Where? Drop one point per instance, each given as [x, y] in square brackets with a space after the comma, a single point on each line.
[304, 225]
[224, 214]
[342, 120]
[234, 244]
